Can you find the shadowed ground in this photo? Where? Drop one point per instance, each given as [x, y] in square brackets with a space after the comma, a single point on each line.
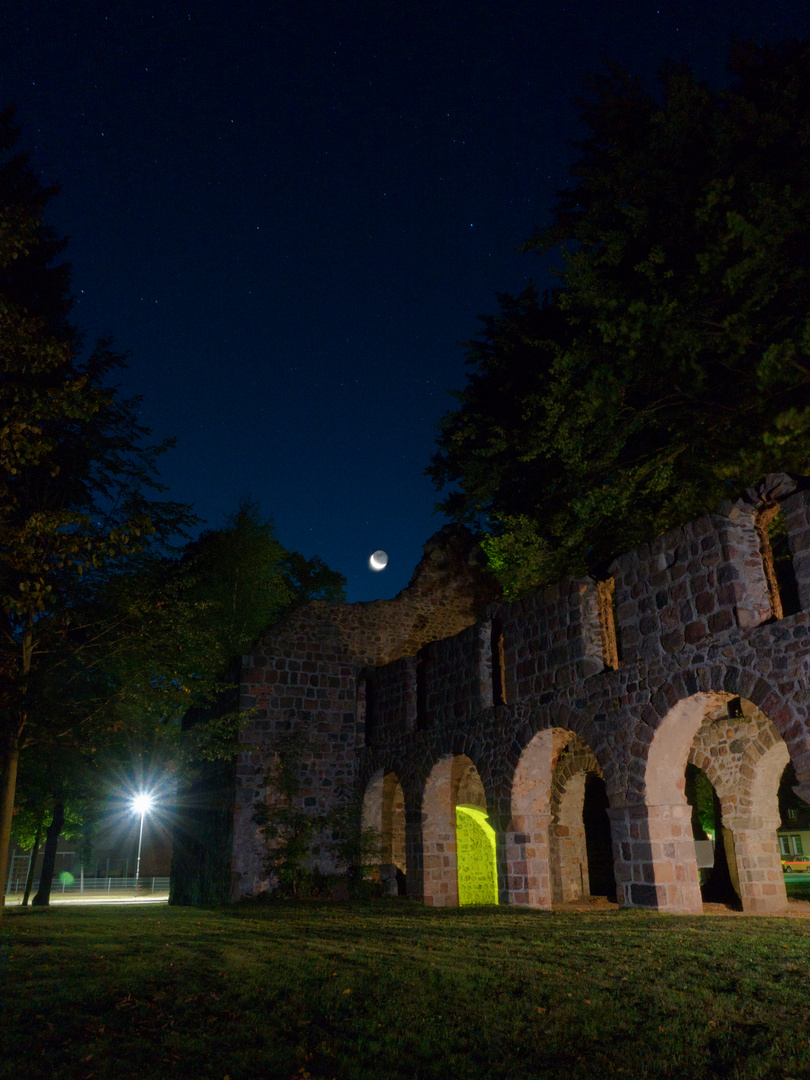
[392, 989]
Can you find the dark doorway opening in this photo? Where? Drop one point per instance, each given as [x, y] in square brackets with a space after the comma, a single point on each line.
[598, 844]
[716, 885]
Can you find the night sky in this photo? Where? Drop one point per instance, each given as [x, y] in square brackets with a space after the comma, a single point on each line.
[291, 213]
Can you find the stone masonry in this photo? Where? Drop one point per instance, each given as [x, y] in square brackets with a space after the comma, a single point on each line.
[446, 697]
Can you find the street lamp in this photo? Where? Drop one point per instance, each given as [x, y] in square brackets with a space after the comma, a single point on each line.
[140, 804]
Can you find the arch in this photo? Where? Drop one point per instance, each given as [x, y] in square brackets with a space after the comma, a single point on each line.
[547, 841]
[568, 842]
[383, 813]
[724, 683]
[742, 753]
[454, 783]
[475, 841]
[527, 852]
[670, 746]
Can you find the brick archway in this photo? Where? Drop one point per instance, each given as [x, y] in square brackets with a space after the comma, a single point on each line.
[527, 854]
[567, 839]
[384, 812]
[545, 843]
[744, 757]
[741, 751]
[453, 781]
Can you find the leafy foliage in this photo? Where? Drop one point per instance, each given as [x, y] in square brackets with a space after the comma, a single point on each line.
[295, 833]
[288, 826]
[78, 490]
[77, 479]
[108, 634]
[670, 367]
[192, 616]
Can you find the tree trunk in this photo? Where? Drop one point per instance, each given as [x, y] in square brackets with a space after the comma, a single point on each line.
[29, 881]
[43, 896]
[7, 809]
[13, 760]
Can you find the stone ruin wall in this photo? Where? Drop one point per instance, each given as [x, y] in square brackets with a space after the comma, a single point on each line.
[695, 626]
[302, 676]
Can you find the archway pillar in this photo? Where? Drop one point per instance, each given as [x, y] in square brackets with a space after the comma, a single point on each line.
[760, 880]
[569, 858]
[439, 872]
[654, 858]
[527, 860]
[413, 855]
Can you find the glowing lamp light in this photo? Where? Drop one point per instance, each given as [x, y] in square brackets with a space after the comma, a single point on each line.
[141, 804]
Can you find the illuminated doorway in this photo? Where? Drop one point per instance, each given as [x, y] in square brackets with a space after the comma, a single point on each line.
[475, 848]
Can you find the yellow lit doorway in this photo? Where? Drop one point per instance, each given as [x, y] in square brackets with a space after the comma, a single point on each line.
[475, 847]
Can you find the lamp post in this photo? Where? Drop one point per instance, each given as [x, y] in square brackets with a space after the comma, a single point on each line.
[140, 804]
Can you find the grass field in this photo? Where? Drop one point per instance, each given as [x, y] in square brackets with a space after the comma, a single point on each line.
[391, 989]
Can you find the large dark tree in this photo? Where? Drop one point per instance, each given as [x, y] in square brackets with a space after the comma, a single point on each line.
[238, 581]
[187, 618]
[107, 635]
[671, 367]
[78, 487]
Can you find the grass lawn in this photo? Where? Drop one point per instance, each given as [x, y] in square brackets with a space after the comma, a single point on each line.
[391, 989]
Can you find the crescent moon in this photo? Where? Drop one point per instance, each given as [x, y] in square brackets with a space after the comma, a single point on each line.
[379, 560]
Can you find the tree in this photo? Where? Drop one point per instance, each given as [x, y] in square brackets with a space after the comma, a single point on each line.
[670, 368]
[78, 480]
[160, 683]
[190, 617]
[52, 799]
[237, 581]
[241, 580]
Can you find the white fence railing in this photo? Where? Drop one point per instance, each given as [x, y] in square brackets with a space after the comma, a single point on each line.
[109, 886]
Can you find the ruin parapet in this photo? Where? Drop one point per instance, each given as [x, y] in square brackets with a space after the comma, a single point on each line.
[447, 673]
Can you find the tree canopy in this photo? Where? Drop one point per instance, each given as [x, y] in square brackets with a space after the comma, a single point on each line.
[189, 617]
[108, 632]
[669, 369]
[79, 493]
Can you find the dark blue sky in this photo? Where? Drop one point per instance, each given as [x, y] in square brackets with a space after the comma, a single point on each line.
[293, 212]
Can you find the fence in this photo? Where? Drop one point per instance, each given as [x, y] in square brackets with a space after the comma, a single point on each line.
[98, 886]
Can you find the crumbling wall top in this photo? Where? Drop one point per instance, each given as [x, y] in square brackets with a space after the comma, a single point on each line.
[450, 588]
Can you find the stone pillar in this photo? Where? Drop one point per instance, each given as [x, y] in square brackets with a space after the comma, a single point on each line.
[527, 861]
[439, 871]
[569, 863]
[654, 858]
[759, 866]
[797, 522]
[413, 854]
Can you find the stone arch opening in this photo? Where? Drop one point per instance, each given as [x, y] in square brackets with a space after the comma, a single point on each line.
[794, 831]
[527, 851]
[458, 843]
[743, 755]
[558, 846]
[476, 857]
[783, 589]
[578, 804]
[716, 872]
[598, 838]
[383, 814]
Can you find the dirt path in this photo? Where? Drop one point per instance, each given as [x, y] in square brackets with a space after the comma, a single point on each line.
[600, 905]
